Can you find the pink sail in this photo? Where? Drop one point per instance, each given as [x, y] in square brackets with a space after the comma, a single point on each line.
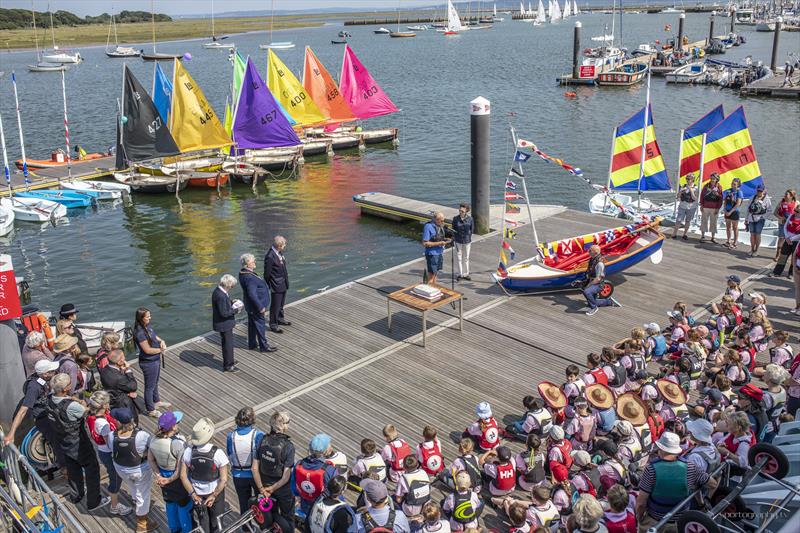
[360, 90]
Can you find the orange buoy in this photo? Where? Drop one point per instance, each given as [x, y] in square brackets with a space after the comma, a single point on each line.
[570, 94]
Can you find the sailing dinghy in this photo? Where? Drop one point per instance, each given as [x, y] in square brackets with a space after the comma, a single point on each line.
[6, 220]
[69, 199]
[119, 51]
[101, 190]
[216, 42]
[454, 25]
[34, 209]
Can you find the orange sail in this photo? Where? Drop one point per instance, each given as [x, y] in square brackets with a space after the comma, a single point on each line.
[322, 88]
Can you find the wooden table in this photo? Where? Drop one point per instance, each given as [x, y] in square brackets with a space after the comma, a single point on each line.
[406, 298]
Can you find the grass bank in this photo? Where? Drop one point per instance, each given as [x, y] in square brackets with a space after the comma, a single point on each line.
[141, 32]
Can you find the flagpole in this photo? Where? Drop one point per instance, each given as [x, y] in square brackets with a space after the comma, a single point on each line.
[66, 125]
[524, 189]
[19, 127]
[678, 184]
[644, 144]
[5, 156]
[700, 183]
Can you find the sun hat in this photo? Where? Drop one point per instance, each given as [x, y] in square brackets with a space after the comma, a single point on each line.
[669, 443]
[374, 490]
[68, 309]
[671, 391]
[632, 408]
[483, 410]
[599, 395]
[122, 415]
[64, 342]
[169, 420]
[652, 326]
[556, 433]
[581, 457]
[319, 442]
[751, 391]
[202, 432]
[624, 428]
[43, 366]
[559, 471]
[552, 395]
[701, 429]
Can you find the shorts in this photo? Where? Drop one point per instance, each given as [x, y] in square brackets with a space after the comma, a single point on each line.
[434, 263]
[781, 230]
[756, 227]
[732, 216]
[685, 214]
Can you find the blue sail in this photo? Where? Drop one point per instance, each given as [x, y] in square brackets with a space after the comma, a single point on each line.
[259, 122]
[162, 93]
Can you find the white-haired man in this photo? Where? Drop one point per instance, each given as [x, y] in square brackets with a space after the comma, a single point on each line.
[223, 319]
[277, 277]
[256, 303]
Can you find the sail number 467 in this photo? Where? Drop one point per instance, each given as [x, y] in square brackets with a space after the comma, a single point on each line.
[269, 117]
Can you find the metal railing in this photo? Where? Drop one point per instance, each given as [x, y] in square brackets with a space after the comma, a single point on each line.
[26, 492]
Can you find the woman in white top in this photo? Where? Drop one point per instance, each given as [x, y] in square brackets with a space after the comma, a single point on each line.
[205, 474]
[98, 426]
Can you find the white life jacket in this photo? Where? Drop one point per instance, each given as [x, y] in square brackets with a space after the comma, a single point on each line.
[339, 461]
[442, 526]
[162, 451]
[544, 419]
[645, 438]
[419, 487]
[547, 515]
[320, 514]
[242, 447]
[375, 464]
[635, 447]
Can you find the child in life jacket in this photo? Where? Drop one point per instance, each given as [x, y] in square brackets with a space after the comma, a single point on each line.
[530, 464]
[736, 443]
[733, 368]
[586, 477]
[463, 506]
[467, 462]
[432, 519]
[429, 452]
[615, 371]
[655, 345]
[608, 464]
[537, 419]
[747, 352]
[338, 460]
[629, 447]
[633, 357]
[542, 512]
[678, 330]
[572, 388]
[758, 302]
[774, 399]
[728, 319]
[674, 400]
[485, 430]
[394, 452]
[733, 290]
[562, 491]
[759, 330]
[502, 473]
[595, 374]
[780, 353]
[369, 464]
[559, 449]
[517, 513]
[620, 516]
[413, 490]
[582, 429]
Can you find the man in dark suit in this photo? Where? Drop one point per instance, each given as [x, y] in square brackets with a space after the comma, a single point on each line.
[256, 303]
[223, 311]
[118, 380]
[276, 275]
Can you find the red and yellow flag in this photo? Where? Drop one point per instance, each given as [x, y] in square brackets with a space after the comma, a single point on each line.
[692, 142]
[730, 153]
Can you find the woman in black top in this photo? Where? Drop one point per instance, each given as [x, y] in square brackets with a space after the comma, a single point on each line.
[463, 227]
[151, 350]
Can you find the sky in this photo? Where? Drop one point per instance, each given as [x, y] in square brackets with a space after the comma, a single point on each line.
[187, 7]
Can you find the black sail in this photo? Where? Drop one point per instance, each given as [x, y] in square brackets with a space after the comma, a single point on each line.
[144, 133]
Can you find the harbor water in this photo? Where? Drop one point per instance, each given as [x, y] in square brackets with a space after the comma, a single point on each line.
[157, 254]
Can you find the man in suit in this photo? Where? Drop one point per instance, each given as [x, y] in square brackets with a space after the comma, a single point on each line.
[118, 380]
[223, 311]
[256, 303]
[276, 275]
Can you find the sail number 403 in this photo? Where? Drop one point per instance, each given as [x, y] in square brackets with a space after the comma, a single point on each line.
[370, 91]
[269, 117]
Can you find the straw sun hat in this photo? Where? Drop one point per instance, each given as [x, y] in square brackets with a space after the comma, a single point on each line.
[552, 395]
[671, 391]
[599, 395]
[632, 408]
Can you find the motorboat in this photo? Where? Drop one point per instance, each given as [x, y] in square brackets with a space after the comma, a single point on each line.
[381, 31]
[58, 158]
[627, 74]
[689, 73]
[421, 27]
[149, 184]
[205, 180]
[34, 209]
[644, 49]
[765, 26]
[6, 220]
[101, 190]
[69, 199]
[560, 264]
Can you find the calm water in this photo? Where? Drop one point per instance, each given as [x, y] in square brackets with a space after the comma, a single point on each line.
[150, 253]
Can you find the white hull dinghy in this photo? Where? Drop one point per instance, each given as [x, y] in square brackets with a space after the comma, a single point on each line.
[6, 220]
[102, 190]
[34, 209]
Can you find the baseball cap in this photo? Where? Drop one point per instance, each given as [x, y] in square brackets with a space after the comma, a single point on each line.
[44, 366]
[319, 442]
[374, 490]
[123, 415]
[169, 419]
[652, 326]
[734, 278]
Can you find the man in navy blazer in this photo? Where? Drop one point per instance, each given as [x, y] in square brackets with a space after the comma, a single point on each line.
[277, 276]
[256, 303]
[223, 313]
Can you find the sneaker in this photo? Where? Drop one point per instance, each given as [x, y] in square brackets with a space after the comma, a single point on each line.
[155, 413]
[105, 500]
[163, 405]
[615, 302]
[794, 310]
[120, 509]
[590, 312]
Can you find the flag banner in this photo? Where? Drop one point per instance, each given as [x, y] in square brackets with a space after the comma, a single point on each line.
[512, 223]
[627, 170]
[501, 270]
[512, 209]
[510, 185]
[521, 156]
[513, 196]
[508, 247]
[530, 146]
[692, 142]
[730, 153]
[503, 258]
[515, 172]
[508, 233]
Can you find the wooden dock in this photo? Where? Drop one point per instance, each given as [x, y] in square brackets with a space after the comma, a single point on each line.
[773, 87]
[49, 178]
[339, 370]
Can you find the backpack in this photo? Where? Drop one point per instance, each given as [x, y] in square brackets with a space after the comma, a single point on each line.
[599, 376]
[620, 375]
[398, 454]
[370, 526]
[639, 364]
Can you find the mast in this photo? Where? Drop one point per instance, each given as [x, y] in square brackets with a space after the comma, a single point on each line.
[271, 21]
[213, 34]
[644, 143]
[5, 155]
[19, 126]
[524, 190]
[66, 124]
[108, 38]
[52, 28]
[120, 125]
[153, 23]
[35, 35]
[114, 24]
[613, 19]
[678, 181]
[610, 168]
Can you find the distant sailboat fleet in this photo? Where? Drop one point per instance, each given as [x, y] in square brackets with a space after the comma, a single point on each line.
[553, 14]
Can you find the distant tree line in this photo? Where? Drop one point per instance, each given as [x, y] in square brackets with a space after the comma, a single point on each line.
[16, 19]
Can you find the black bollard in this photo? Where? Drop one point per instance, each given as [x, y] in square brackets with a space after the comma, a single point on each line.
[679, 44]
[773, 63]
[733, 20]
[480, 129]
[576, 51]
[710, 29]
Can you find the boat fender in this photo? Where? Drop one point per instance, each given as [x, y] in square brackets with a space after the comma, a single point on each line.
[570, 94]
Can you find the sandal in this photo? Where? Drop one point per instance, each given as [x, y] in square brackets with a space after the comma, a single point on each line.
[714, 240]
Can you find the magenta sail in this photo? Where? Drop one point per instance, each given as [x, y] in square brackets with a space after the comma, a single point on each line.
[259, 122]
[360, 90]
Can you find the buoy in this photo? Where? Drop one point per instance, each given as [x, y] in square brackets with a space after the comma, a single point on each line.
[124, 119]
[570, 94]
[187, 56]
[668, 27]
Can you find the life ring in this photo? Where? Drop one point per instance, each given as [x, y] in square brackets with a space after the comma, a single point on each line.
[38, 322]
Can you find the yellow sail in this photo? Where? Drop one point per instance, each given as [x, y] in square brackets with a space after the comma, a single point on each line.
[193, 122]
[291, 94]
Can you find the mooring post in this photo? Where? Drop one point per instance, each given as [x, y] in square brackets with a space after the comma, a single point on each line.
[775, 42]
[733, 20]
[679, 44]
[480, 126]
[710, 30]
[576, 51]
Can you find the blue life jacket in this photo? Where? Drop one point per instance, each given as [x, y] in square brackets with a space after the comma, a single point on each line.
[660, 345]
[608, 418]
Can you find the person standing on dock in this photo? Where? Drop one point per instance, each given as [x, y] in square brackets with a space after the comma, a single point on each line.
[277, 276]
[223, 319]
[733, 200]
[463, 227]
[151, 351]
[434, 241]
[273, 463]
[256, 303]
[596, 274]
[205, 474]
[687, 207]
[788, 72]
[710, 202]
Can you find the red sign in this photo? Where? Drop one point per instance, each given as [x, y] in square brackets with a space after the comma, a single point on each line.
[587, 71]
[10, 307]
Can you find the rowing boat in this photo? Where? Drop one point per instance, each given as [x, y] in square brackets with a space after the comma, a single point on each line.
[33, 209]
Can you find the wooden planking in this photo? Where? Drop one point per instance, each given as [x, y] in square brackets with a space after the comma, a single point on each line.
[400, 208]
[48, 178]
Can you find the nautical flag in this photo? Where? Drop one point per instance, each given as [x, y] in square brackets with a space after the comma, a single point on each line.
[501, 270]
[729, 152]
[514, 172]
[692, 142]
[508, 247]
[512, 223]
[513, 196]
[522, 143]
[512, 208]
[527, 144]
[510, 185]
[503, 258]
[521, 156]
[627, 156]
[510, 234]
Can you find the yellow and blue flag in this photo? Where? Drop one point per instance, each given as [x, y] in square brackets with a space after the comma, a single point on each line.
[729, 152]
[626, 168]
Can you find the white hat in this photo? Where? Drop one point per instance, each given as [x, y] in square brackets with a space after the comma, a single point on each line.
[581, 457]
[701, 429]
[652, 326]
[759, 295]
[670, 443]
[483, 410]
[556, 433]
[43, 366]
[624, 427]
[202, 432]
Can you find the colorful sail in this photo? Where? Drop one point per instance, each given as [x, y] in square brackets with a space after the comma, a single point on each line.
[692, 142]
[322, 88]
[730, 153]
[361, 92]
[239, 67]
[626, 169]
[162, 92]
[259, 123]
[228, 122]
[193, 122]
[290, 92]
[143, 135]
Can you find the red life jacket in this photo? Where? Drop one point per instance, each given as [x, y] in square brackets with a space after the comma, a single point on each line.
[737, 314]
[599, 376]
[793, 224]
[566, 449]
[398, 454]
[101, 359]
[732, 447]
[309, 483]
[752, 364]
[506, 477]
[432, 459]
[490, 435]
[626, 525]
[656, 424]
[90, 421]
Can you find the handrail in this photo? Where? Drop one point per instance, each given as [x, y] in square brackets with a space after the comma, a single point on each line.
[21, 518]
[35, 491]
